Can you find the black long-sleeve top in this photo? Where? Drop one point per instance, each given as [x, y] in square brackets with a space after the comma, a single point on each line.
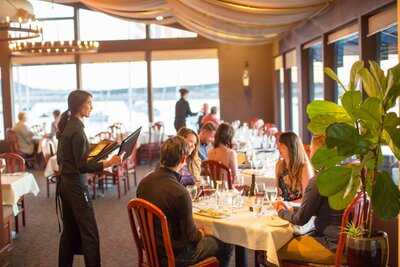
[182, 110]
[327, 222]
[73, 149]
[163, 189]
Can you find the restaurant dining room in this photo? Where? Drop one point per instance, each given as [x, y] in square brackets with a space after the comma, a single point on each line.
[201, 133]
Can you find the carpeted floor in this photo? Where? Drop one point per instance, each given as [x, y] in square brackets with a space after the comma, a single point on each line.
[37, 244]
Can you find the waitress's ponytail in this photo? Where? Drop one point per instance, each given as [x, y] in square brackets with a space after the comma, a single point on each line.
[62, 123]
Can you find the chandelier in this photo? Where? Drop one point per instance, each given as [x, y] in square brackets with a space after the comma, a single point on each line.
[17, 21]
[53, 47]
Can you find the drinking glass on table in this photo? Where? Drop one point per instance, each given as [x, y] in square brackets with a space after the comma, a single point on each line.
[3, 165]
[192, 191]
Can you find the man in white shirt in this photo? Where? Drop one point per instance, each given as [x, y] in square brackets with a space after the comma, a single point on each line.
[24, 134]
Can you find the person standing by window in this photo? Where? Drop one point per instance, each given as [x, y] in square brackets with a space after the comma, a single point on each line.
[80, 233]
[182, 110]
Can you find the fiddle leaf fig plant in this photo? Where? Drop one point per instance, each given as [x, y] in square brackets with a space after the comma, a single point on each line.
[355, 131]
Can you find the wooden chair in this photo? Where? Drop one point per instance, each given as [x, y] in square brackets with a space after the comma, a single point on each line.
[11, 139]
[150, 151]
[130, 167]
[353, 213]
[142, 215]
[16, 163]
[217, 171]
[48, 150]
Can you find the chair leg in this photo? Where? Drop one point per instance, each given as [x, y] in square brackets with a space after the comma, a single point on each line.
[127, 180]
[126, 185]
[134, 177]
[16, 224]
[23, 212]
[48, 187]
[118, 187]
[94, 187]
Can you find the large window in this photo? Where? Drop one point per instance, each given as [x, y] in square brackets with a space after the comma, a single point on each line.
[281, 91]
[57, 20]
[200, 76]
[316, 72]
[40, 89]
[120, 97]
[161, 32]
[346, 53]
[99, 26]
[294, 96]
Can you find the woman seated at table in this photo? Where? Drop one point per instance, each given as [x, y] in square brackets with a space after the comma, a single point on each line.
[222, 150]
[191, 171]
[293, 170]
[318, 246]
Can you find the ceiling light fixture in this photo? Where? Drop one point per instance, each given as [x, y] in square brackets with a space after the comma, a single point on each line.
[53, 48]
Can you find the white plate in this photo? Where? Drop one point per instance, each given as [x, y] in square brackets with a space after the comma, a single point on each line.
[275, 221]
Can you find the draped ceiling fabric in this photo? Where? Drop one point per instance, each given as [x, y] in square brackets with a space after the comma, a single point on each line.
[226, 21]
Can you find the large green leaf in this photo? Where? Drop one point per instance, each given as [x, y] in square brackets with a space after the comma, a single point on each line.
[323, 107]
[342, 199]
[351, 101]
[332, 180]
[379, 76]
[392, 90]
[326, 158]
[319, 123]
[333, 76]
[369, 84]
[371, 112]
[346, 139]
[391, 136]
[385, 197]
[390, 120]
[357, 66]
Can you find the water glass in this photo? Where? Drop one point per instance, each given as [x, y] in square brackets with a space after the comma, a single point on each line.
[192, 191]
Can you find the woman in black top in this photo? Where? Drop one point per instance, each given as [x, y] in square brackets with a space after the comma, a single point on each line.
[80, 234]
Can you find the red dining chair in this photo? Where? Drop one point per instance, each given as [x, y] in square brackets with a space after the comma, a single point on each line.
[151, 151]
[16, 163]
[353, 213]
[130, 167]
[217, 171]
[11, 139]
[142, 215]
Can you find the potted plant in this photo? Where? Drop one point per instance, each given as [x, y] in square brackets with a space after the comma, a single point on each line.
[357, 129]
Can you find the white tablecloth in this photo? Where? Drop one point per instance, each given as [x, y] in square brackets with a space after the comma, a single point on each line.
[245, 229]
[16, 185]
[51, 166]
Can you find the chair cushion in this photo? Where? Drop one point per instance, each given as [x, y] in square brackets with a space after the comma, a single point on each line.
[306, 249]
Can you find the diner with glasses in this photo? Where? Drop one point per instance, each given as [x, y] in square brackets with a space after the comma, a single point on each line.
[171, 133]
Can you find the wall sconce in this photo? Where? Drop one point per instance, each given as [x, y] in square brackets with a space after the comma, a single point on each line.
[246, 76]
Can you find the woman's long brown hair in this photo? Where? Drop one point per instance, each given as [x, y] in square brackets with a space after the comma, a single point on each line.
[297, 158]
[193, 162]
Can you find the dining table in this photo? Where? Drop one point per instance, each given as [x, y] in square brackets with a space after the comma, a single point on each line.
[16, 185]
[245, 228]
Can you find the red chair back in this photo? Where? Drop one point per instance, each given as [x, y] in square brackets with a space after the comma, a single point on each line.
[14, 162]
[12, 140]
[217, 171]
[142, 215]
[354, 213]
[156, 128]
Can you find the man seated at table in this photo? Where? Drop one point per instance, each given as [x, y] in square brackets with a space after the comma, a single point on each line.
[206, 136]
[26, 143]
[319, 246]
[162, 188]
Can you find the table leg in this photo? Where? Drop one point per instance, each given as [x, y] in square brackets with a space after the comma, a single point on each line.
[240, 256]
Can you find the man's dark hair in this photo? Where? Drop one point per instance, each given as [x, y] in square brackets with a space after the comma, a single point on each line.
[213, 110]
[56, 113]
[172, 151]
[183, 91]
[209, 127]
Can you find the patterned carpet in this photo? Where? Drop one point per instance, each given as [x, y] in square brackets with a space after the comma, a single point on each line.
[37, 244]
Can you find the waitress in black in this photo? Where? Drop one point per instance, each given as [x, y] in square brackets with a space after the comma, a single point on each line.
[80, 234]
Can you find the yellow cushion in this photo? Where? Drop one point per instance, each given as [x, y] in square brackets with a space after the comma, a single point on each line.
[306, 249]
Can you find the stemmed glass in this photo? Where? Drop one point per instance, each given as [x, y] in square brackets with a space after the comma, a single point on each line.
[3, 165]
[192, 191]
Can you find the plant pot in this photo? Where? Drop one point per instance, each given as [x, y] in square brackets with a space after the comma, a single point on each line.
[371, 252]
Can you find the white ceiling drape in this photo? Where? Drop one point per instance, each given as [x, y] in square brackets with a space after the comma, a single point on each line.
[227, 21]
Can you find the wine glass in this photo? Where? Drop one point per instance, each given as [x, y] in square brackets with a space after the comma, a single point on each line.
[3, 165]
[192, 191]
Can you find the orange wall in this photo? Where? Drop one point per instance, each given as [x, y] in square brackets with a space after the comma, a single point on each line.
[236, 102]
